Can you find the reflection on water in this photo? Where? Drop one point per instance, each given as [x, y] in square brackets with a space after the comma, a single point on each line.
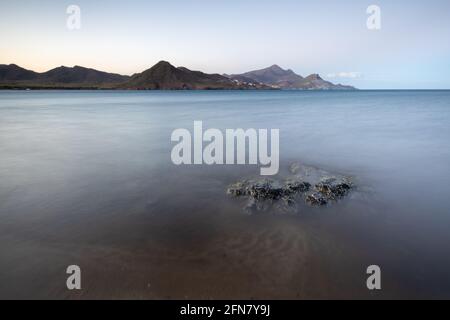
[86, 178]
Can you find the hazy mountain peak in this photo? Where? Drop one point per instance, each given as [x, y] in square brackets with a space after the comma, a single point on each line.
[60, 68]
[163, 63]
[275, 67]
[314, 76]
[163, 75]
[273, 76]
[13, 72]
[277, 77]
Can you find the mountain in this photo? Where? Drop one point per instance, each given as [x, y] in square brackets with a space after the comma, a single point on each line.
[13, 72]
[277, 77]
[242, 79]
[162, 76]
[61, 77]
[315, 82]
[165, 76]
[81, 75]
[272, 76]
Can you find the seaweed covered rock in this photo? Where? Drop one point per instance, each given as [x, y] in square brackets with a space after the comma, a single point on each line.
[266, 189]
[316, 199]
[264, 193]
[294, 186]
[333, 188]
[289, 193]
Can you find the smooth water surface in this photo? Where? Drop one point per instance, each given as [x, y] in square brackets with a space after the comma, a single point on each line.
[86, 178]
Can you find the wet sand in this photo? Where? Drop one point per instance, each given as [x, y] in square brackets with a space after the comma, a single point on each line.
[221, 253]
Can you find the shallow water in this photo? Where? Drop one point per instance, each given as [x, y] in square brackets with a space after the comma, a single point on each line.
[86, 179]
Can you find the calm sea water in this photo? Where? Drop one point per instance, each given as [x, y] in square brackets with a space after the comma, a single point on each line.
[86, 179]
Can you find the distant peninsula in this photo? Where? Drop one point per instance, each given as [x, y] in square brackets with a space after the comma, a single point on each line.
[162, 76]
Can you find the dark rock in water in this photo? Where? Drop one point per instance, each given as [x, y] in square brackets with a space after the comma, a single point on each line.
[294, 186]
[238, 189]
[288, 194]
[316, 199]
[263, 193]
[267, 189]
[333, 188]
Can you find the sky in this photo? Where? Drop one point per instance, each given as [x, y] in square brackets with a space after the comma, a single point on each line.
[329, 37]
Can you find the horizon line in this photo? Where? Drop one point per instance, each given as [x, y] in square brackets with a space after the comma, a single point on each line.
[256, 69]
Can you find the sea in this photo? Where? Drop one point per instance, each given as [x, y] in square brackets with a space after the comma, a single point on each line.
[87, 179]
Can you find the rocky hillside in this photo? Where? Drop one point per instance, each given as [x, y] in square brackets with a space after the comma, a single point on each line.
[162, 76]
[62, 77]
[165, 76]
[277, 77]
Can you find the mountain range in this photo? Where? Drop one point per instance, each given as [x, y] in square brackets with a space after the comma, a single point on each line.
[277, 77]
[14, 76]
[162, 76]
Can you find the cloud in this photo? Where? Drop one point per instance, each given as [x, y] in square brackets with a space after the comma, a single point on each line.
[347, 75]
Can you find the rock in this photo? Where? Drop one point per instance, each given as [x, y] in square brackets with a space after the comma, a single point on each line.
[333, 188]
[286, 195]
[264, 193]
[266, 190]
[316, 199]
[293, 186]
[238, 189]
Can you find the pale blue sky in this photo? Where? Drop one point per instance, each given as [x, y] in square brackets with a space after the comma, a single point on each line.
[412, 49]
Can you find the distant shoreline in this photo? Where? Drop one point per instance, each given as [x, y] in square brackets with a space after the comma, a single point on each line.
[12, 88]
[161, 76]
